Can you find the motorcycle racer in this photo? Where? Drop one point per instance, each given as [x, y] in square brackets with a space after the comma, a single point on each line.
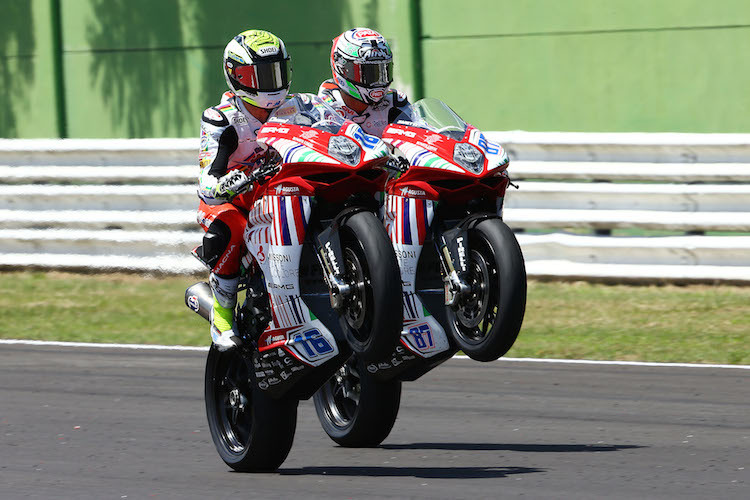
[257, 71]
[362, 67]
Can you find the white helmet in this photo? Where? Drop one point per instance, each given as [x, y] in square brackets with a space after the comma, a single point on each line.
[257, 68]
[362, 64]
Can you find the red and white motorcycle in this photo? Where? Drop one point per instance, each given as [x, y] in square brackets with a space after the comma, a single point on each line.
[462, 271]
[321, 277]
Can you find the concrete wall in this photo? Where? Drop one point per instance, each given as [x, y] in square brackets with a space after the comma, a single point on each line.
[145, 68]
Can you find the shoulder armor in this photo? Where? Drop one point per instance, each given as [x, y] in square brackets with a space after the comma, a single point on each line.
[215, 117]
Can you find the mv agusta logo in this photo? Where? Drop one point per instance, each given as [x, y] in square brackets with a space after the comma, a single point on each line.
[432, 139]
[309, 134]
[407, 191]
[276, 338]
[287, 189]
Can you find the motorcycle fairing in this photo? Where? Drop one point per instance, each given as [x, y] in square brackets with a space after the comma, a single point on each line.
[295, 151]
[419, 153]
[494, 152]
[373, 146]
[275, 237]
[407, 222]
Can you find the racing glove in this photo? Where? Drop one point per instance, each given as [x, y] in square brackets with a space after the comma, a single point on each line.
[232, 184]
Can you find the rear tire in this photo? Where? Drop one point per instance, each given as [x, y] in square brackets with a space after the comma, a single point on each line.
[251, 431]
[373, 314]
[486, 324]
[355, 409]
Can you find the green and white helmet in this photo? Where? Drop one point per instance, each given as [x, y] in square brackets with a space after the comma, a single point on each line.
[362, 64]
[257, 68]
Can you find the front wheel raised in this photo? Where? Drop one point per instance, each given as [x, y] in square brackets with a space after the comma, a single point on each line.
[486, 322]
[373, 310]
[355, 409]
[252, 432]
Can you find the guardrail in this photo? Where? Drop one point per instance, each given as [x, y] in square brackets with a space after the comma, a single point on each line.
[130, 205]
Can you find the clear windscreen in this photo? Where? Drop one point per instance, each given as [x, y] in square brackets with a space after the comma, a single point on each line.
[435, 115]
[308, 110]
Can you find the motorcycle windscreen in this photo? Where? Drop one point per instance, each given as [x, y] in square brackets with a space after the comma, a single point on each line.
[308, 110]
[439, 117]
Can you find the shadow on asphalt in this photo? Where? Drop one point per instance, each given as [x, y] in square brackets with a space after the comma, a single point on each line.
[542, 448]
[420, 472]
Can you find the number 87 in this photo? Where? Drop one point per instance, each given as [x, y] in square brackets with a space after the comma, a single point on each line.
[417, 332]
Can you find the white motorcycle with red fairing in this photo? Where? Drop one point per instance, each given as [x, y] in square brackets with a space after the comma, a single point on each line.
[321, 277]
[462, 271]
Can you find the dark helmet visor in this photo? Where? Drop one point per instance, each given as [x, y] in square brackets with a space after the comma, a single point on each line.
[264, 76]
[371, 74]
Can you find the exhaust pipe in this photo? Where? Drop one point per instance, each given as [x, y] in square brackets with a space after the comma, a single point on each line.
[200, 299]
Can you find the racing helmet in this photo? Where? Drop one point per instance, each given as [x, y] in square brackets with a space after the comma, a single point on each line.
[362, 64]
[257, 68]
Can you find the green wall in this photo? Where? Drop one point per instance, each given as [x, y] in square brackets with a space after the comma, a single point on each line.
[28, 100]
[591, 65]
[147, 68]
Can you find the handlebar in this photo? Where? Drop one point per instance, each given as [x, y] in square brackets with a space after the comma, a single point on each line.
[260, 174]
[397, 163]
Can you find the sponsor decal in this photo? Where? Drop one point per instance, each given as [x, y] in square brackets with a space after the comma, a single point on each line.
[275, 338]
[433, 138]
[365, 33]
[285, 375]
[332, 258]
[279, 130]
[279, 257]
[309, 134]
[261, 255]
[407, 191]
[273, 380]
[372, 368]
[297, 368]
[263, 385]
[193, 303]
[461, 253]
[267, 51]
[406, 254]
[398, 131]
[238, 119]
[286, 286]
[282, 190]
[377, 94]
[226, 256]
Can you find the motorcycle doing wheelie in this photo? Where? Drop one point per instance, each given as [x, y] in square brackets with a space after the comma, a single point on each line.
[321, 281]
[463, 274]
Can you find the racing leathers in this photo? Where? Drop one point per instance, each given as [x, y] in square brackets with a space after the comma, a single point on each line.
[376, 117]
[228, 149]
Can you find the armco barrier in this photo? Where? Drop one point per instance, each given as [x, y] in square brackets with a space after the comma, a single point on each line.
[129, 205]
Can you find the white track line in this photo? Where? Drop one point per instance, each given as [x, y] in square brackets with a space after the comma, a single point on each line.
[457, 356]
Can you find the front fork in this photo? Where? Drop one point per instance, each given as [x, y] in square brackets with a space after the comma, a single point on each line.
[453, 249]
[331, 258]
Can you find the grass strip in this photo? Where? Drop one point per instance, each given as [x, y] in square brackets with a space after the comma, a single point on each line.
[691, 324]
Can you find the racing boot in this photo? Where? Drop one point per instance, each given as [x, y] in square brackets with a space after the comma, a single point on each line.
[223, 328]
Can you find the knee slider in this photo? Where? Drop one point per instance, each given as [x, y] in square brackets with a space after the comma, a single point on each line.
[215, 242]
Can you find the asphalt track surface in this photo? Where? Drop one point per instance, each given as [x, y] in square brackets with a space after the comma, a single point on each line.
[93, 423]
